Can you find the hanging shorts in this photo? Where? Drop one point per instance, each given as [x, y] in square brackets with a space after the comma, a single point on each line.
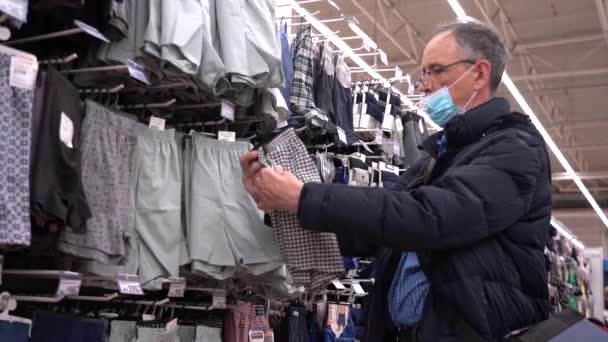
[226, 232]
[56, 183]
[313, 258]
[15, 135]
[158, 197]
[108, 147]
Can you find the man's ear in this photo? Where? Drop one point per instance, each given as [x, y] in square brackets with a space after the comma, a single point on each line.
[482, 74]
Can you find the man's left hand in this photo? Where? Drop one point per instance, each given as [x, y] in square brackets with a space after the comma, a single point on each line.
[277, 189]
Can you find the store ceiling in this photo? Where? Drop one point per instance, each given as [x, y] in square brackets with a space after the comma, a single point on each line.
[559, 61]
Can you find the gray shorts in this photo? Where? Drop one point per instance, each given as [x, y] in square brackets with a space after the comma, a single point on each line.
[226, 232]
[108, 148]
[250, 46]
[158, 198]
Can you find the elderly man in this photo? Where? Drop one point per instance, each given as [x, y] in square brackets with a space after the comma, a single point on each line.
[463, 235]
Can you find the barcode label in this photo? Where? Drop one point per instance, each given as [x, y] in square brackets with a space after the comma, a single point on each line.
[69, 284]
[129, 284]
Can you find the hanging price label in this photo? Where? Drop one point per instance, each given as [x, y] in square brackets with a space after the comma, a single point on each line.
[227, 110]
[129, 284]
[226, 136]
[398, 73]
[157, 123]
[177, 287]
[218, 301]
[91, 31]
[23, 72]
[171, 326]
[15, 8]
[342, 135]
[338, 284]
[358, 289]
[383, 57]
[137, 72]
[69, 284]
[399, 125]
[256, 335]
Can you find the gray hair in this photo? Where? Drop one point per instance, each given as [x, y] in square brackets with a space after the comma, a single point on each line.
[480, 41]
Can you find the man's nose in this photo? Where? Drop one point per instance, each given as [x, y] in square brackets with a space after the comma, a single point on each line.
[424, 87]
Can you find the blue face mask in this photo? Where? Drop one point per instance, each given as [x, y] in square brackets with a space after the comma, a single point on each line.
[441, 108]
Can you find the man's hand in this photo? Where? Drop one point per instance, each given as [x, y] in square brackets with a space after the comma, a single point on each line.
[250, 166]
[272, 189]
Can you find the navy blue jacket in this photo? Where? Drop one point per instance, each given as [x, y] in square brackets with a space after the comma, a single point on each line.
[478, 216]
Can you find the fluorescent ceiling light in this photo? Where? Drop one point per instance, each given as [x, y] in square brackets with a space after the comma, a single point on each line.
[506, 80]
[341, 45]
[578, 244]
[565, 233]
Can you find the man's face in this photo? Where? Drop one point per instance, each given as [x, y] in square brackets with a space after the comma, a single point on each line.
[440, 52]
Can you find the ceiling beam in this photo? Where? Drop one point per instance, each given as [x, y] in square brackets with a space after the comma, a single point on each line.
[562, 176]
[545, 43]
[567, 90]
[578, 124]
[592, 147]
[382, 29]
[562, 74]
[602, 12]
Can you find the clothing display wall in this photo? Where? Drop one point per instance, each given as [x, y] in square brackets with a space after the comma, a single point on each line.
[123, 180]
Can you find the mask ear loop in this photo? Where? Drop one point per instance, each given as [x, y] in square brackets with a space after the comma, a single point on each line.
[459, 78]
[470, 100]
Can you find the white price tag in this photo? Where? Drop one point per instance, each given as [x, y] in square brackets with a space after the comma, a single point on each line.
[421, 125]
[338, 284]
[23, 72]
[383, 57]
[69, 284]
[129, 284]
[137, 71]
[226, 136]
[342, 135]
[157, 123]
[411, 89]
[177, 288]
[268, 335]
[358, 289]
[66, 130]
[218, 300]
[146, 317]
[172, 326]
[256, 335]
[227, 110]
[398, 73]
[387, 110]
[90, 30]
[399, 125]
[388, 122]
[15, 8]
[396, 149]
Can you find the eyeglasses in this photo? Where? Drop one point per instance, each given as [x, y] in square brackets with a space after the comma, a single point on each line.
[433, 72]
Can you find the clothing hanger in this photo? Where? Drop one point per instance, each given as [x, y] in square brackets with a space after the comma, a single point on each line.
[10, 304]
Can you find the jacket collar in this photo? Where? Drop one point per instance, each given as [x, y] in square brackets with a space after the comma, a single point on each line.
[469, 127]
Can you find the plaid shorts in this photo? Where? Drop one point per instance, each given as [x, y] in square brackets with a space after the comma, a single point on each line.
[313, 258]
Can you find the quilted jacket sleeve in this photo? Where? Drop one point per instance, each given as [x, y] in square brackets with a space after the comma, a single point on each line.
[466, 204]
